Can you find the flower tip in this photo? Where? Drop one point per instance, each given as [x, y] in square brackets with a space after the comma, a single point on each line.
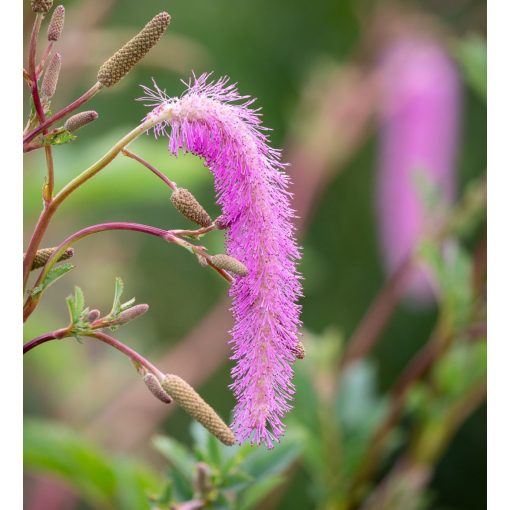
[185, 202]
[56, 24]
[50, 80]
[41, 6]
[121, 62]
[80, 120]
[229, 263]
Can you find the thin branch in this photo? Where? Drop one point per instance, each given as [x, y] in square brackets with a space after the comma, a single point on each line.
[62, 113]
[154, 170]
[372, 325]
[52, 335]
[99, 335]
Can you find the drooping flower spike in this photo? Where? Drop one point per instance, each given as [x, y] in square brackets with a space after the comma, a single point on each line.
[213, 121]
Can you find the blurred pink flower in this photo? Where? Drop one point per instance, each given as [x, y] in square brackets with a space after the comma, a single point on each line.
[419, 127]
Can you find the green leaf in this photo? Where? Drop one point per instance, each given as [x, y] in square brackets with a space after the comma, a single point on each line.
[472, 55]
[262, 463]
[258, 491]
[53, 275]
[178, 455]
[60, 138]
[54, 449]
[119, 289]
[104, 481]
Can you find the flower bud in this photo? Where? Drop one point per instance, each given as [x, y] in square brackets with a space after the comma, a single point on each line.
[221, 222]
[118, 65]
[42, 256]
[93, 315]
[299, 351]
[154, 386]
[56, 24]
[79, 120]
[187, 398]
[41, 5]
[129, 315]
[49, 83]
[202, 479]
[184, 201]
[229, 263]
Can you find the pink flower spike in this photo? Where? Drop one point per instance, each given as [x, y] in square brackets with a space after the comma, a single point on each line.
[419, 131]
[213, 121]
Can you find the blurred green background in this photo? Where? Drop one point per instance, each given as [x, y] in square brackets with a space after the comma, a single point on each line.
[277, 52]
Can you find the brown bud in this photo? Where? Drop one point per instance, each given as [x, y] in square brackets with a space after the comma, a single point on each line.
[41, 5]
[42, 256]
[56, 24]
[130, 314]
[221, 222]
[299, 350]
[93, 315]
[49, 83]
[202, 479]
[186, 397]
[184, 201]
[118, 65]
[229, 264]
[79, 120]
[154, 386]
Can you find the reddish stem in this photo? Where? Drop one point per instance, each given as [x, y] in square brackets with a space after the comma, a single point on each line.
[52, 335]
[31, 301]
[132, 354]
[103, 337]
[62, 113]
[154, 170]
[371, 326]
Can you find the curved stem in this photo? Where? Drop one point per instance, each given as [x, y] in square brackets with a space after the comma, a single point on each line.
[130, 353]
[99, 335]
[51, 207]
[62, 113]
[154, 170]
[52, 335]
[37, 235]
[32, 301]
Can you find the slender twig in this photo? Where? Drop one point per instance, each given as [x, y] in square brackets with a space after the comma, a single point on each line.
[168, 236]
[51, 208]
[371, 326]
[32, 301]
[154, 170]
[99, 335]
[52, 335]
[197, 233]
[32, 48]
[62, 113]
[44, 58]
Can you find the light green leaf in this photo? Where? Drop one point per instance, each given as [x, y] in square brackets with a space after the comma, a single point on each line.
[53, 275]
[258, 491]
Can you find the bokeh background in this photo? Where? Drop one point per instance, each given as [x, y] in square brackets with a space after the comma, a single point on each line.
[314, 68]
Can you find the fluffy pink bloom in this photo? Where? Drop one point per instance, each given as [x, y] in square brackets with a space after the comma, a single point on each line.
[420, 102]
[214, 122]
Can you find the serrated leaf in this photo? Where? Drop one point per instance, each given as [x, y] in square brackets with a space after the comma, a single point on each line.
[127, 304]
[53, 275]
[119, 289]
[79, 300]
[60, 138]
